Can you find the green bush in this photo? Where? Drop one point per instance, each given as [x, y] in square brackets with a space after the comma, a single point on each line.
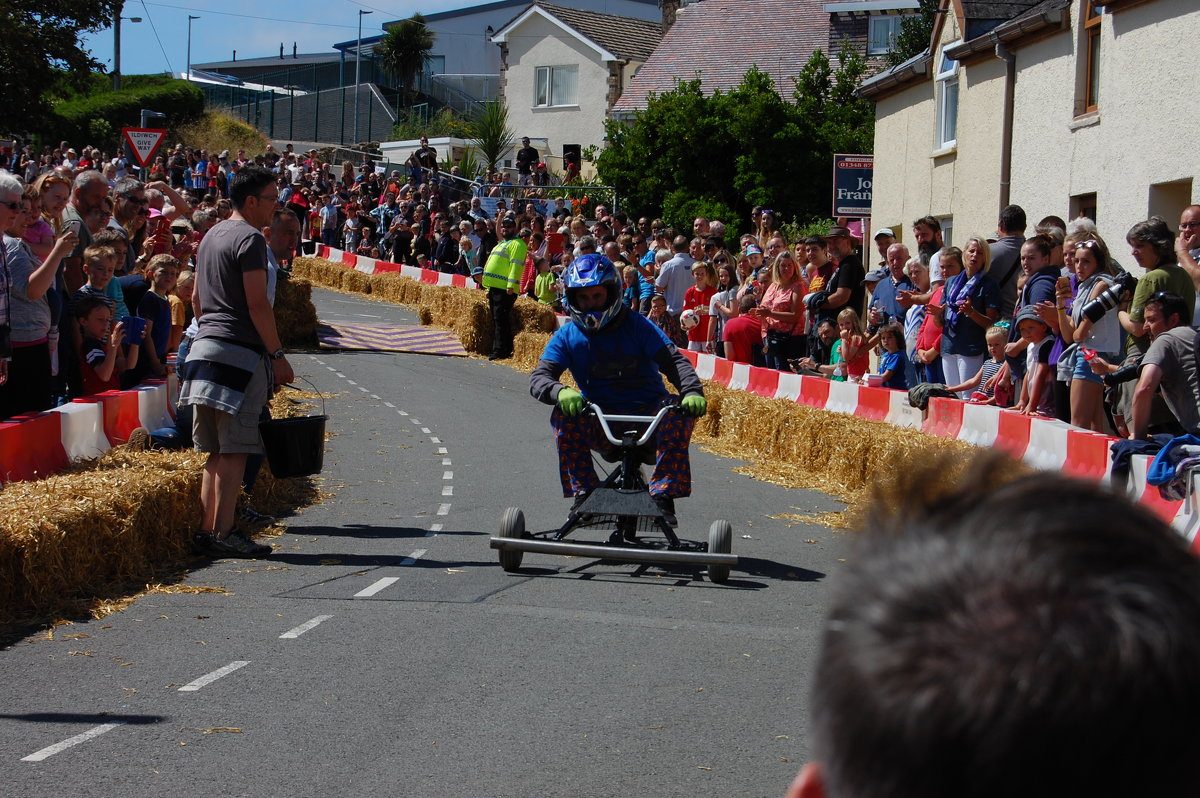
[181, 101]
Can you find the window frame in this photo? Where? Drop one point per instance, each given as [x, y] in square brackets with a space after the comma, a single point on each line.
[946, 80]
[543, 84]
[894, 21]
[1090, 52]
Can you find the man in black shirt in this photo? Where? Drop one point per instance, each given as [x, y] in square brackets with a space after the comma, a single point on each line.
[526, 157]
[846, 285]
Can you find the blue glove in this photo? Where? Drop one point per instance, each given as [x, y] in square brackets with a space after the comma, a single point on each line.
[570, 402]
[694, 405]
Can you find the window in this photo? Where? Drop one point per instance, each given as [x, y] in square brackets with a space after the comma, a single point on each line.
[1091, 58]
[947, 223]
[556, 86]
[882, 32]
[947, 102]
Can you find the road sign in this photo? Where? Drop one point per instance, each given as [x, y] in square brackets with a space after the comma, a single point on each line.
[852, 177]
[143, 143]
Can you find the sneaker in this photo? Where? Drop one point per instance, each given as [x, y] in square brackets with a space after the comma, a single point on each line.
[202, 541]
[139, 440]
[666, 508]
[249, 515]
[580, 498]
[235, 544]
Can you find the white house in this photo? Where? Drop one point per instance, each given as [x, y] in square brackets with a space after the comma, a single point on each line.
[1065, 107]
[562, 69]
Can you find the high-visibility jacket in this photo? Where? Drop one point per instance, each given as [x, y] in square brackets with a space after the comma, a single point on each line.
[505, 265]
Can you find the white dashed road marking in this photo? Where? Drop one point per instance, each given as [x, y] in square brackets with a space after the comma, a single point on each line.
[412, 558]
[447, 475]
[386, 582]
[448, 490]
[445, 461]
[426, 430]
[433, 530]
[209, 678]
[70, 742]
[292, 634]
[443, 509]
[435, 440]
[389, 404]
[442, 450]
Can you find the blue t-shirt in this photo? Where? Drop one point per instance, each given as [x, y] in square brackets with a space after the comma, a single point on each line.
[614, 367]
[961, 335]
[894, 362]
[157, 310]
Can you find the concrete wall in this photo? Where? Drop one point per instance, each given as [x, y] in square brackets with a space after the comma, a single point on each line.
[536, 43]
[1143, 134]
[913, 179]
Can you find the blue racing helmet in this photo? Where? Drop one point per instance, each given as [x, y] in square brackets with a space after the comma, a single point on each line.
[587, 271]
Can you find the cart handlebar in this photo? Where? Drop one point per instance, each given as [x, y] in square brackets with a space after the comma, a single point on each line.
[653, 422]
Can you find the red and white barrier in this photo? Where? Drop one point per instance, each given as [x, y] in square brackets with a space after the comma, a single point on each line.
[82, 429]
[152, 406]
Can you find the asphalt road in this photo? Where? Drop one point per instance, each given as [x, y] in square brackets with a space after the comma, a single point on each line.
[383, 652]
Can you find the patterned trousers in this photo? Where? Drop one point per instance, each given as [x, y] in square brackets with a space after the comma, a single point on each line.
[577, 437]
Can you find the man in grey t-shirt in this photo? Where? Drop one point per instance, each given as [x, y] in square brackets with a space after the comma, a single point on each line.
[1169, 365]
[234, 359]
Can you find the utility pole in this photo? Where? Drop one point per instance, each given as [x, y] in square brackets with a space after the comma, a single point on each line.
[357, 73]
[188, 76]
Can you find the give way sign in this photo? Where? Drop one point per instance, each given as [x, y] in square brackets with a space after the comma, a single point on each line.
[143, 142]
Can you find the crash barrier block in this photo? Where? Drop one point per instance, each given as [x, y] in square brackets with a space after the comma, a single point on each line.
[1088, 455]
[1187, 520]
[903, 414]
[789, 385]
[365, 265]
[31, 446]
[152, 406]
[706, 365]
[739, 379]
[764, 382]
[385, 267]
[814, 391]
[722, 370]
[349, 259]
[1047, 444]
[1012, 434]
[1148, 495]
[981, 424]
[82, 429]
[121, 414]
[944, 417]
[692, 357]
[323, 251]
[428, 276]
[874, 403]
[842, 398]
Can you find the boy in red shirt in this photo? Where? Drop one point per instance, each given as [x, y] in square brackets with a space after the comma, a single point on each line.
[101, 359]
[743, 332]
[698, 297]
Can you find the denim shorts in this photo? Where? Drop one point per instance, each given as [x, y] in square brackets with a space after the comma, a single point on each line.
[1083, 369]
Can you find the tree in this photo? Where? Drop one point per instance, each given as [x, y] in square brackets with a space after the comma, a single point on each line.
[717, 156]
[914, 34]
[41, 43]
[493, 136]
[404, 51]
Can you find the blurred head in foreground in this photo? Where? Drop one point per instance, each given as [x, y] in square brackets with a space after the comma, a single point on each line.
[999, 637]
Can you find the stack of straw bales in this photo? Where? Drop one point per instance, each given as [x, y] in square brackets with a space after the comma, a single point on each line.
[295, 315]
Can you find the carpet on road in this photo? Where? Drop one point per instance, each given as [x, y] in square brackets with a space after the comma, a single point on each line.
[389, 338]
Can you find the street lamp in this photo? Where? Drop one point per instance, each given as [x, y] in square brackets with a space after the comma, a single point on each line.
[358, 71]
[188, 76]
[117, 44]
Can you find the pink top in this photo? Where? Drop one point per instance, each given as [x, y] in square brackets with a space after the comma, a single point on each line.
[39, 233]
[782, 300]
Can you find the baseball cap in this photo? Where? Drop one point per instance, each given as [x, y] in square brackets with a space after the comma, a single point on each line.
[753, 249]
[887, 231]
[875, 275]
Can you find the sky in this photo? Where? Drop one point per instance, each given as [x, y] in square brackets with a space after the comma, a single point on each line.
[159, 42]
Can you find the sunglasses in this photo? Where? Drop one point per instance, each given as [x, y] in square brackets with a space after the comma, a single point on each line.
[14, 206]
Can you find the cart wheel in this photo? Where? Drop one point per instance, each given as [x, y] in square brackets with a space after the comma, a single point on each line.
[512, 525]
[720, 541]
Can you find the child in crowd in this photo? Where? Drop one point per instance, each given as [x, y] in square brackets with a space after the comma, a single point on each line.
[722, 307]
[1037, 395]
[155, 308]
[992, 384]
[112, 237]
[101, 359]
[181, 304]
[891, 364]
[851, 351]
[665, 321]
[698, 298]
[99, 263]
[545, 282]
[631, 294]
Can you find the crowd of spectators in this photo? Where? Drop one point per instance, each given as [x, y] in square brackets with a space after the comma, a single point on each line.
[1007, 319]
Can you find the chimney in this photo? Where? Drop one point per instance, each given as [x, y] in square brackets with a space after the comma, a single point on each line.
[235, 55]
[293, 49]
[281, 49]
[670, 8]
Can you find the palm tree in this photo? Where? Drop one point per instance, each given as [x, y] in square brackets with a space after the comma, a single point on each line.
[404, 51]
[493, 136]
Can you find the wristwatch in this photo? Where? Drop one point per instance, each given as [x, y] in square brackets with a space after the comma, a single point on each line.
[278, 354]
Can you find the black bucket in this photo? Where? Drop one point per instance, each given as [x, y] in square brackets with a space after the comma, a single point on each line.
[295, 447]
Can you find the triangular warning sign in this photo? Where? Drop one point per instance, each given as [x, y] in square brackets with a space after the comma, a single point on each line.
[143, 143]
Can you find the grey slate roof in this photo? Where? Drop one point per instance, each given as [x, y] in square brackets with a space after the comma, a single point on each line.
[627, 38]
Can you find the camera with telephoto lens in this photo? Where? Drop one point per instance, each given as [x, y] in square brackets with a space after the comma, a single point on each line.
[1122, 282]
[1123, 374]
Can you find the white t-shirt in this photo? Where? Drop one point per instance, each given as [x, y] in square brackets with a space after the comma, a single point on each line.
[935, 269]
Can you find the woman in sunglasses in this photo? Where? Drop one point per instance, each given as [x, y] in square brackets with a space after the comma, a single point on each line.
[1095, 336]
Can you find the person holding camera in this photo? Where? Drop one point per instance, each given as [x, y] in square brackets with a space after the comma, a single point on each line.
[1089, 324]
[1170, 365]
[1153, 248]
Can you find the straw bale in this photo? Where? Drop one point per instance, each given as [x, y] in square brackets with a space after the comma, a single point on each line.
[390, 287]
[295, 314]
[527, 350]
[531, 315]
[355, 282]
[425, 314]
